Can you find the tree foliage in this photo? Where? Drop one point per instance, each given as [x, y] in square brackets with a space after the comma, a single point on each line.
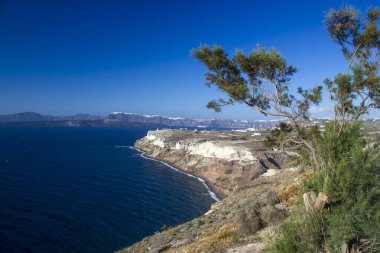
[350, 168]
[259, 80]
[351, 180]
[347, 168]
[358, 36]
[301, 233]
[352, 183]
[277, 136]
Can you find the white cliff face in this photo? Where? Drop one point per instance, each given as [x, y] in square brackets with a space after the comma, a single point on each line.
[155, 140]
[209, 149]
[225, 163]
[213, 150]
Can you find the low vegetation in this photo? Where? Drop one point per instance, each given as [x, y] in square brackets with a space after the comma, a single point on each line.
[350, 179]
[350, 164]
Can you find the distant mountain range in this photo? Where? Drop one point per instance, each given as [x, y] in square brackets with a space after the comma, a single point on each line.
[35, 117]
[128, 119]
[132, 119]
[184, 122]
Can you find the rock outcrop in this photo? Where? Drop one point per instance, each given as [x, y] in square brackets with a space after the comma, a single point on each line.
[225, 160]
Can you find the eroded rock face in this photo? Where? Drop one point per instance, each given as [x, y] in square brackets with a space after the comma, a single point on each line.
[225, 160]
[215, 149]
[245, 221]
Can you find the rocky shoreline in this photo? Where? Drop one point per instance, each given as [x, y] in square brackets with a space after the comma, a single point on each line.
[213, 195]
[255, 185]
[226, 160]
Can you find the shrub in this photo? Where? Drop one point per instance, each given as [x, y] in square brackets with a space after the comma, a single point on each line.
[301, 232]
[350, 177]
[351, 180]
[277, 135]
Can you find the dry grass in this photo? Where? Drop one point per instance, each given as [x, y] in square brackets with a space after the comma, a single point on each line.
[306, 175]
[289, 194]
[209, 241]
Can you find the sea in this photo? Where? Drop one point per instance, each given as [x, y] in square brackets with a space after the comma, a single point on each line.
[82, 189]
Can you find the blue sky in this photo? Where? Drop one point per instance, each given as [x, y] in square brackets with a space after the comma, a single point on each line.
[79, 56]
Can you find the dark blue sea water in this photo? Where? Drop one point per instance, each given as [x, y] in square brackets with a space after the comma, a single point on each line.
[76, 190]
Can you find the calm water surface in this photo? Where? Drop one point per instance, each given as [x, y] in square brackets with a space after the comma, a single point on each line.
[82, 190]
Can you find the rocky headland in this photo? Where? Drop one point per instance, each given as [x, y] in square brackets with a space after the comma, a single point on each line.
[254, 183]
[226, 160]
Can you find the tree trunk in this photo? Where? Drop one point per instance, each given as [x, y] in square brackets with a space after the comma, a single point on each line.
[307, 144]
[313, 153]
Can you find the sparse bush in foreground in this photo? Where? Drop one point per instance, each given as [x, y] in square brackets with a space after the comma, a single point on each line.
[301, 232]
[351, 180]
[350, 177]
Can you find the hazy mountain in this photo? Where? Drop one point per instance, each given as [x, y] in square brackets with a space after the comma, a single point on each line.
[183, 122]
[135, 120]
[35, 117]
[23, 116]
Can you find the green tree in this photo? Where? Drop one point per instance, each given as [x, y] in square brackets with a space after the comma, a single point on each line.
[348, 170]
[278, 135]
[352, 184]
[260, 80]
[355, 92]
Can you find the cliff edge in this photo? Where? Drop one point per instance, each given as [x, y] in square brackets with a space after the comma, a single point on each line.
[255, 185]
[226, 160]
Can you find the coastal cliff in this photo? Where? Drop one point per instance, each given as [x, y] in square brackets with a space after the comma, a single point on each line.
[226, 160]
[255, 184]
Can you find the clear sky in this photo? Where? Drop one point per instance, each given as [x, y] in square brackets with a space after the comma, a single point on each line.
[79, 56]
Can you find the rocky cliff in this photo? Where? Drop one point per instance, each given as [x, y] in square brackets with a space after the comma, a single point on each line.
[225, 160]
[256, 184]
